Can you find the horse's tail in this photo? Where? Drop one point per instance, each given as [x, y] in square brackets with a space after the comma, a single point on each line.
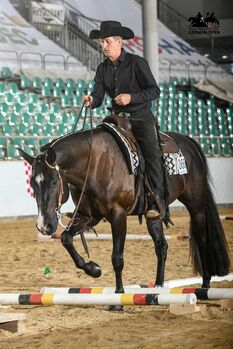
[216, 252]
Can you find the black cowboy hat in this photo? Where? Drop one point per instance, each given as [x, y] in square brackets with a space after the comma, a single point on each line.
[111, 28]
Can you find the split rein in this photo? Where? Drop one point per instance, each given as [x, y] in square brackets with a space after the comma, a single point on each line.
[61, 186]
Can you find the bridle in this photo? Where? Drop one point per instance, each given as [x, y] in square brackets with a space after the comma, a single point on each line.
[61, 186]
[61, 191]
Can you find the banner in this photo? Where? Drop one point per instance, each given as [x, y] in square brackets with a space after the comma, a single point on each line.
[47, 13]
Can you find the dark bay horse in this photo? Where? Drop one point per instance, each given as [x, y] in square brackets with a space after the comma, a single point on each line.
[109, 193]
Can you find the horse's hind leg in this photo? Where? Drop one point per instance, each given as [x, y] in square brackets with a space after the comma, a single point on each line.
[155, 228]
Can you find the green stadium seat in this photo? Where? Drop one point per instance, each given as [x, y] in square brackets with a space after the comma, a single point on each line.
[205, 145]
[35, 130]
[9, 98]
[81, 84]
[18, 141]
[65, 118]
[4, 107]
[60, 83]
[215, 146]
[30, 108]
[52, 119]
[36, 82]
[226, 146]
[61, 130]
[2, 153]
[12, 119]
[48, 82]
[77, 101]
[12, 152]
[54, 108]
[13, 87]
[2, 118]
[33, 98]
[2, 88]
[48, 130]
[46, 91]
[69, 92]
[39, 118]
[22, 97]
[17, 107]
[22, 129]
[25, 82]
[33, 142]
[26, 118]
[45, 140]
[70, 84]
[3, 142]
[57, 91]
[65, 101]
[43, 108]
[7, 129]
[6, 73]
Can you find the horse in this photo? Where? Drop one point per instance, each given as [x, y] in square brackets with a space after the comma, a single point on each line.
[109, 194]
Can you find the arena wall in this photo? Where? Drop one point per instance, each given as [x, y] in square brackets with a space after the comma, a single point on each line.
[16, 201]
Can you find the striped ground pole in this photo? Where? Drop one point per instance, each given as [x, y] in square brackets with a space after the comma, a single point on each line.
[201, 293]
[91, 236]
[196, 280]
[227, 218]
[96, 299]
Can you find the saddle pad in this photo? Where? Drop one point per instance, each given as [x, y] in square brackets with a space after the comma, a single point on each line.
[174, 163]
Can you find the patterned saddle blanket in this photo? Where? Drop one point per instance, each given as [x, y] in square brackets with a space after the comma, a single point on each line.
[173, 160]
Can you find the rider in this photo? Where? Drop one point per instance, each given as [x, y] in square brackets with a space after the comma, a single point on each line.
[128, 80]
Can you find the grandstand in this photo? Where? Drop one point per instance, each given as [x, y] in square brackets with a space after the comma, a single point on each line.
[36, 107]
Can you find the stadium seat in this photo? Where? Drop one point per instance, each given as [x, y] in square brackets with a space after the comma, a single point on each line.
[46, 91]
[2, 88]
[54, 108]
[48, 82]
[70, 84]
[26, 118]
[2, 119]
[205, 145]
[22, 98]
[25, 82]
[18, 141]
[12, 118]
[226, 146]
[12, 152]
[2, 153]
[17, 107]
[60, 83]
[36, 83]
[8, 130]
[12, 87]
[6, 73]
[33, 98]
[22, 129]
[65, 101]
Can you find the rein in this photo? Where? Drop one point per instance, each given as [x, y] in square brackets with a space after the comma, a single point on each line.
[61, 186]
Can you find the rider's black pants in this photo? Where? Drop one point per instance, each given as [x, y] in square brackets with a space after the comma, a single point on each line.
[145, 131]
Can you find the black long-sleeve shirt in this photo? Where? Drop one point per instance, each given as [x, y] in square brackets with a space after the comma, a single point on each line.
[131, 75]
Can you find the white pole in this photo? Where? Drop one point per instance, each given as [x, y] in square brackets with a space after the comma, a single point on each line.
[97, 299]
[201, 293]
[91, 236]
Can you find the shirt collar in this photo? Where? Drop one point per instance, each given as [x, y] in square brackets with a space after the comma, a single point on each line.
[121, 58]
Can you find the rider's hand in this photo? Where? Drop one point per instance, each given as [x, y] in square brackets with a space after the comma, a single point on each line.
[123, 99]
[88, 100]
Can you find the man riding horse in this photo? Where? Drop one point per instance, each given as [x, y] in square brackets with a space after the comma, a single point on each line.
[128, 80]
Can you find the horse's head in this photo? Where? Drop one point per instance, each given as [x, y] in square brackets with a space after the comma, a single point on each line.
[50, 189]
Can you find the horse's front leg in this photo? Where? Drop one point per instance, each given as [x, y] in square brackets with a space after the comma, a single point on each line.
[155, 229]
[118, 224]
[90, 268]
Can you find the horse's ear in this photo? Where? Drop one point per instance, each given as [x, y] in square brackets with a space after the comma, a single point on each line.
[26, 156]
[51, 156]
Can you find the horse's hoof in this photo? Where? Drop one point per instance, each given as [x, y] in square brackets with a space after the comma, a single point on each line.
[116, 308]
[92, 269]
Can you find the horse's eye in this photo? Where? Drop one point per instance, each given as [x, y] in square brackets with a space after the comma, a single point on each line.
[54, 183]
